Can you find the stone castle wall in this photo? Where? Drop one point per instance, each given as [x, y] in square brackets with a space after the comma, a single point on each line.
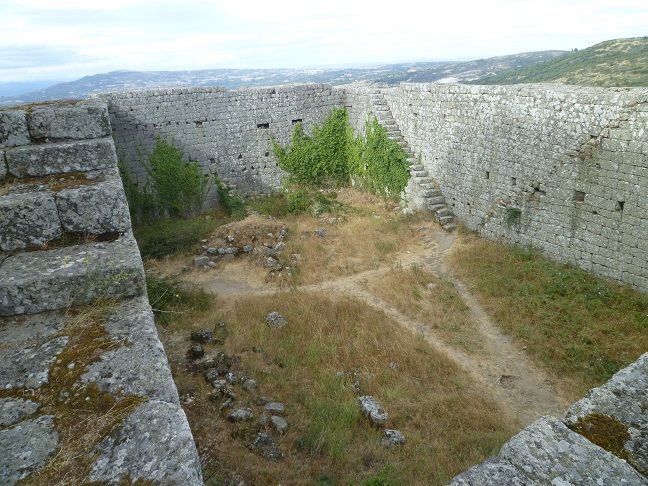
[228, 132]
[564, 169]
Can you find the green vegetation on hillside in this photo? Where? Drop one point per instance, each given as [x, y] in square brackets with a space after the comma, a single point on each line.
[618, 62]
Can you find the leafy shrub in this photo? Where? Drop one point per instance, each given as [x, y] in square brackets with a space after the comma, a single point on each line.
[169, 296]
[169, 236]
[232, 204]
[379, 163]
[334, 155]
[175, 187]
[322, 157]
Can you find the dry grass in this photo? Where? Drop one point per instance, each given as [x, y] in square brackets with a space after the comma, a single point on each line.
[448, 423]
[364, 240]
[430, 300]
[581, 327]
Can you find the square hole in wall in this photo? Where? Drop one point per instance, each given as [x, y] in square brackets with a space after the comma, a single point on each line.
[263, 126]
[296, 121]
[240, 156]
[619, 206]
[267, 154]
[579, 196]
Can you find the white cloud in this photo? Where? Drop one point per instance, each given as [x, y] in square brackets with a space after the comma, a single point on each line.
[154, 34]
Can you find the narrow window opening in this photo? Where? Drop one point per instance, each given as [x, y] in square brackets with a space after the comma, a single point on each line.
[619, 206]
[487, 175]
[579, 196]
[296, 121]
[264, 126]
[267, 154]
[513, 181]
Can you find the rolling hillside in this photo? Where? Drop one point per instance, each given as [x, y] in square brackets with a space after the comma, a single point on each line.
[618, 62]
[429, 72]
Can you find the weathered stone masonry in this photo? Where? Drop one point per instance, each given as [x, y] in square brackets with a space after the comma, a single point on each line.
[65, 242]
[564, 169]
[561, 168]
[228, 132]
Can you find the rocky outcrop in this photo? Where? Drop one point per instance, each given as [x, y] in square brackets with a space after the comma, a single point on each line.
[85, 386]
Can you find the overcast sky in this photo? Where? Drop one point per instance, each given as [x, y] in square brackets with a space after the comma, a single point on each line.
[56, 39]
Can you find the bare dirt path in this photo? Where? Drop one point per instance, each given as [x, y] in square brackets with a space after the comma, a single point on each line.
[501, 367]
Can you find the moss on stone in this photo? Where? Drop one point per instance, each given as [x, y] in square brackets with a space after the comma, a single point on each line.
[604, 431]
[83, 414]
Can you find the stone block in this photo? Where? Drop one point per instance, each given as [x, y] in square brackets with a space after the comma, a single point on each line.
[57, 158]
[153, 445]
[550, 453]
[139, 366]
[25, 447]
[623, 398]
[28, 219]
[493, 472]
[96, 209]
[13, 128]
[49, 280]
[84, 120]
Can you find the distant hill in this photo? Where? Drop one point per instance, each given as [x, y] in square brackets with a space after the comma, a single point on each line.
[451, 71]
[618, 62]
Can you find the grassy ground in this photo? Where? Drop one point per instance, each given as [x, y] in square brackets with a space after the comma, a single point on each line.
[618, 62]
[579, 326]
[329, 442]
[430, 300]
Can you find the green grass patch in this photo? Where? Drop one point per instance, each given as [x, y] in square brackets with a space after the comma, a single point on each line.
[170, 297]
[578, 325]
[165, 237]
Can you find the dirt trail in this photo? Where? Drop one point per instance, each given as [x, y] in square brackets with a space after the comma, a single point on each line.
[502, 368]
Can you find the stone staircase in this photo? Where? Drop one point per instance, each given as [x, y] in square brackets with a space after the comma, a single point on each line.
[86, 392]
[422, 187]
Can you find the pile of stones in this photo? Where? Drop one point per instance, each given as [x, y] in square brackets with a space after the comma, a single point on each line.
[220, 369]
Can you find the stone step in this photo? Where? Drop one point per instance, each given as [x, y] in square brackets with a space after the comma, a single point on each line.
[435, 207]
[436, 200]
[444, 212]
[28, 219]
[424, 180]
[449, 227]
[430, 193]
[419, 173]
[32, 215]
[446, 219]
[416, 166]
[426, 185]
[61, 157]
[547, 449]
[48, 280]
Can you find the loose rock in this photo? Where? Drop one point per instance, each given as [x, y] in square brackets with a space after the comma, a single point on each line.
[265, 445]
[195, 351]
[279, 423]
[393, 438]
[372, 409]
[201, 261]
[202, 336]
[274, 319]
[240, 415]
[274, 407]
